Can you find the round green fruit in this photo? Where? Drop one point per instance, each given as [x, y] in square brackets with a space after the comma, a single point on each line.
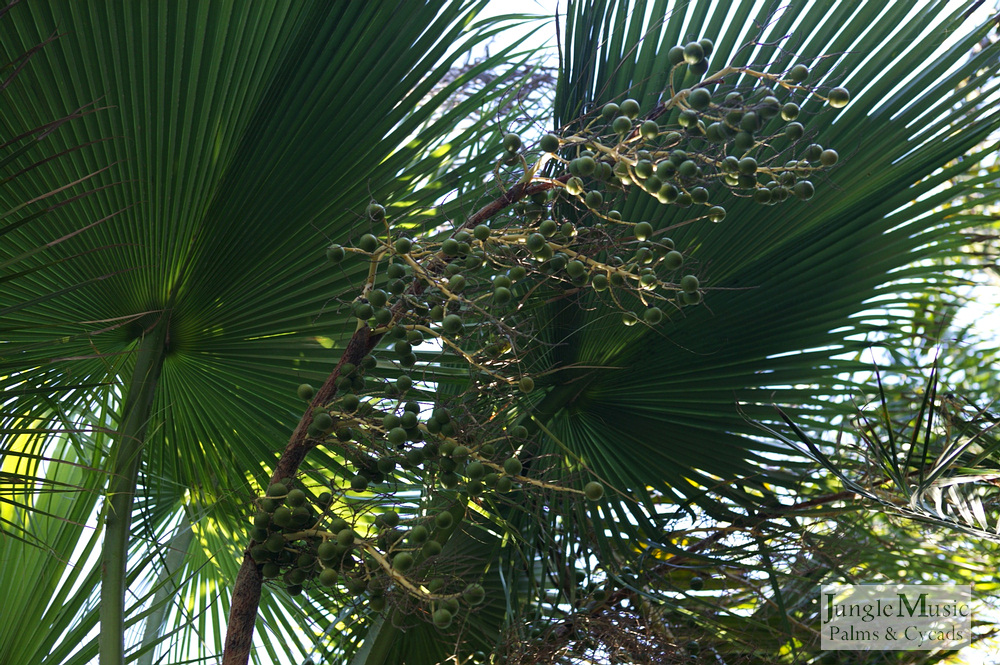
[277, 490]
[368, 243]
[442, 618]
[594, 199]
[512, 142]
[798, 74]
[828, 157]
[649, 130]
[526, 384]
[512, 466]
[501, 295]
[643, 231]
[696, 583]
[838, 97]
[609, 111]
[693, 53]
[335, 253]
[630, 108]
[306, 392]
[474, 594]
[549, 143]
[622, 125]
[653, 315]
[402, 562]
[444, 520]
[689, 283]
[452, 324]
[594, 490]
[699, 99]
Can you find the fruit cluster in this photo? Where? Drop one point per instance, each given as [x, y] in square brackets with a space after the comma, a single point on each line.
[465, 298]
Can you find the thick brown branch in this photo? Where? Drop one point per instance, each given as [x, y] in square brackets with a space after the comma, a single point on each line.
[247, 589]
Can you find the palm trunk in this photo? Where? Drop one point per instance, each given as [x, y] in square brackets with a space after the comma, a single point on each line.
[127, 455]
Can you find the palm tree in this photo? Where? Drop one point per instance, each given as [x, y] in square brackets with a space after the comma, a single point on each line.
[248, 136]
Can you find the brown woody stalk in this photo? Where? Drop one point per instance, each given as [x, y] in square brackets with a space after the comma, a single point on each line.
[246, 590]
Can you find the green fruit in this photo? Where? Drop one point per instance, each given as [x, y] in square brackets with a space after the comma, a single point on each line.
[594, 199]
[345, 537]
[576, 268]
[328, 577]
[707, 45]
[630, 108]
[505, 484]
[475, 470]
[574, 186]
[402, 562]
[368, 243]
[748, 166]
[838, 97]
[275, 542]
[649, 130]
[403, 245]
[364, 311]
[584, 165]
[696, 583]
[609, 111]
[804, 190]
[335, 253]
[277, 490]
[442, 618]
[789, 111]
[444, 520]
[549, 143]
[359, 483]
[794, 131]
[594, 491]
[270, 570]
[306, 392]
[621, 125]
[673, 260]
[481, 232]
[653, 315]
[296, 498]
[716, 213]
[396, 436]
[418, 534]
[693, 53]
[526, 384]
[536, 241]
[689, 283]
[512, 466]
[798, 74]
[323, 422]
[629, 319]
[431, 548]
[813, 152]
[452, 324]
[474, 594]
[512, 142]
[519, 432]
[700, 99]
[600, 282]
[643, 230]
[828, 157]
